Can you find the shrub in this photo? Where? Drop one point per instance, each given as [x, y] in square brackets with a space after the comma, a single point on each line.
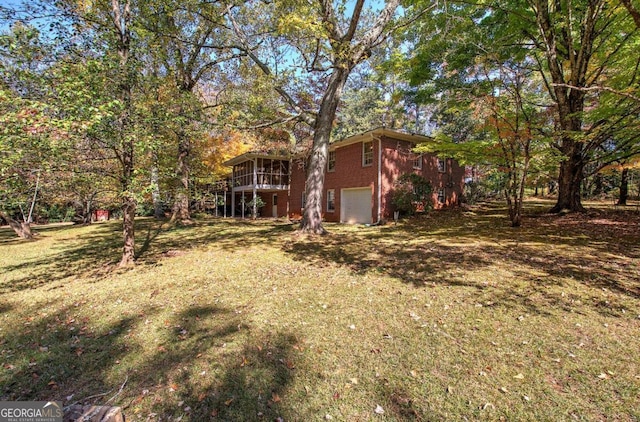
[411, 194]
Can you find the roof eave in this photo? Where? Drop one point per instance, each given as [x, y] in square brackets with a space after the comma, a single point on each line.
[379, 132]
[247, 156]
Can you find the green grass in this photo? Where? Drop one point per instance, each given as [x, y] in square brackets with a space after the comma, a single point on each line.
[455, 316]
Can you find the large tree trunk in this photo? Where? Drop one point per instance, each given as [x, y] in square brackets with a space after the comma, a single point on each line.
[122, 17]
[570, 185]
[624, 187]
[568, 64]
[317, 164]
[21, 228]
[181, 211]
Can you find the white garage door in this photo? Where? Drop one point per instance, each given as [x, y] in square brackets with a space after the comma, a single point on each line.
[356, 205]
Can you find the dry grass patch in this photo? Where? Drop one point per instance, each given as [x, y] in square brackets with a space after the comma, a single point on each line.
[452, 316]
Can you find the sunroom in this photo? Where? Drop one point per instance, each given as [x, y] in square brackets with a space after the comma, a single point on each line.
[260, 183]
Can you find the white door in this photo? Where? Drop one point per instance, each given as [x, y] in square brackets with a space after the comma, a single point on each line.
[356, 205]
[274, 212]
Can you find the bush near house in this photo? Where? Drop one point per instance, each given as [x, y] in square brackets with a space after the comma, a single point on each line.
[412, 194]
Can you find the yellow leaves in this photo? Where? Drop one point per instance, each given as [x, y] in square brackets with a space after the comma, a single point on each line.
[217, 149]
[297, 18]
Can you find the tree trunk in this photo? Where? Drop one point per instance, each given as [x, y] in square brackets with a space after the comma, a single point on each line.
[598, 186]
[570, 185]
[181, 211]
[128, 206]
[128, 231]
[568, 65]
[317, 164]
[624, 187]
[21, 228]
[158, 212]
[121, 20]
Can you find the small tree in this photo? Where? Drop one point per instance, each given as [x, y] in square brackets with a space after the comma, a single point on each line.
[412, 193]
[254, 205]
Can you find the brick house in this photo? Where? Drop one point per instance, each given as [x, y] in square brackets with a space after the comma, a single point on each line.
[360, 176]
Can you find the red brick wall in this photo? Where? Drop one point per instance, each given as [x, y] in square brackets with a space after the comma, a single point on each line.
[350, 173]
[397, 159]
[267, 197]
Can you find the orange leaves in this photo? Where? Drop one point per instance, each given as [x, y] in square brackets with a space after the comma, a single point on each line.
[217, 149]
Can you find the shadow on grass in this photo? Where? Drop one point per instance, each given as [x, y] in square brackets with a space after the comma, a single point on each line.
[443, 247]
[95, 251]
[211, 364]
[207, 362]
[60, 353]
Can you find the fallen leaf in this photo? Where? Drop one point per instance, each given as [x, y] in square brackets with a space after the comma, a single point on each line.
[275, 397]
[603, 376]
[228, 402]
[354, 381]
[504, 390]
[519, 376]
[379, 410]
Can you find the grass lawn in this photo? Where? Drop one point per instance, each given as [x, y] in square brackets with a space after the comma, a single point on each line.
[454, 316]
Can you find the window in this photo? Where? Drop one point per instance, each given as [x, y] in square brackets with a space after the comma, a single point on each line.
[417, 162]
[331, 200]
[331, 161]
[442, 165]
[441, 196]
[367, 153]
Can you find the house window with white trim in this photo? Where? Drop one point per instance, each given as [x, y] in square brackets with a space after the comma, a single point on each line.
[417, 162]
[331, 200]
[441, 196]
[331, 161]
[367, 153]
[442, 165]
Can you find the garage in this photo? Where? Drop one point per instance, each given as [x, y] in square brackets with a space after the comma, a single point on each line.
[356, 205]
